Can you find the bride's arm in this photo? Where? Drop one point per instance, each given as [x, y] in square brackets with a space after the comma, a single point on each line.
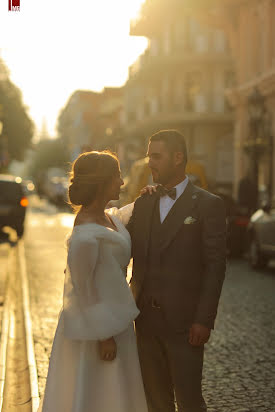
[82, 260]
[87, 314]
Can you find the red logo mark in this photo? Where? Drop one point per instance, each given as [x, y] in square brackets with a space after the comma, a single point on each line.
[14, 5]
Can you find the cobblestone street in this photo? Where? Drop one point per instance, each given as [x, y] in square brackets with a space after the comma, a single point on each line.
[240, 358]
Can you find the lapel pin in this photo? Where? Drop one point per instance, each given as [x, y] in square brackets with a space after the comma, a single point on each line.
[194, 197]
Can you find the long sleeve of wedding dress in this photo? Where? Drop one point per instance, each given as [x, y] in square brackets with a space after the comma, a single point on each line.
[97, 302]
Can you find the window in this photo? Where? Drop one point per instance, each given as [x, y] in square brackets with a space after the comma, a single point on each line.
[193, 86]
[147, 109]
[167, 40]
[154, 105]
[140, 112]
[198, 37]
[154, 47]
[220, 41]
[219, 103]
[179, 33]
[229, 79]
[178, 94]
[131, 117]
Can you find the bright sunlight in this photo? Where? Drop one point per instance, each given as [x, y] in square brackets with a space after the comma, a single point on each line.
[54, 48]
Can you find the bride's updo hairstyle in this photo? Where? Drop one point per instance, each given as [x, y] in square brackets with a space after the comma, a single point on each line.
[91, 173]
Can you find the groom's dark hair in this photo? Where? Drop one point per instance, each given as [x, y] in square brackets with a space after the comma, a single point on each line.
[174, 141]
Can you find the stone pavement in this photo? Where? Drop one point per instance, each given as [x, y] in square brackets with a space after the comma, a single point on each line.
[239, 373]
[46, 260]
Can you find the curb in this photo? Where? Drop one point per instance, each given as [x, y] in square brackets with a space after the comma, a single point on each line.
[5, 329]
[28, 328]
[3, 348]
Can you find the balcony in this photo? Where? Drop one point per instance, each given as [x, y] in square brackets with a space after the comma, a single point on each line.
[178, 115]
[169, 120]
[154, 13]
[148, 66]
[138, 65]
[141, 27]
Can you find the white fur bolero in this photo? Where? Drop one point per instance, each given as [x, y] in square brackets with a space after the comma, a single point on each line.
[98, 302]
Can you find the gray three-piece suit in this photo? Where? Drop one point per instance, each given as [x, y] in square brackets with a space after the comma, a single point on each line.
[178, 272]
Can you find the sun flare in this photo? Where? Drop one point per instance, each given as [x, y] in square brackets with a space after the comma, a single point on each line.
[58, 47]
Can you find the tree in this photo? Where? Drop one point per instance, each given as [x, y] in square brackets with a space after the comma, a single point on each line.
[49, 153]
[18, 127]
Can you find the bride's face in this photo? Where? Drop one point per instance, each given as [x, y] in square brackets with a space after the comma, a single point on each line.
[113, 189]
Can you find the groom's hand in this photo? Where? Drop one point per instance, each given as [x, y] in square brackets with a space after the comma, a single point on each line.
[198, 334]
[107, 349]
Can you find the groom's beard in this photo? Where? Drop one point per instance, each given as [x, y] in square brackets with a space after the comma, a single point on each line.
[155, 176]
[161, 179]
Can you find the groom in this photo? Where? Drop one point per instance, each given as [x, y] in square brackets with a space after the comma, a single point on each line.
[178, 244]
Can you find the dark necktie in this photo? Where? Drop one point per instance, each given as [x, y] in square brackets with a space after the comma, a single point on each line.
[167, 192]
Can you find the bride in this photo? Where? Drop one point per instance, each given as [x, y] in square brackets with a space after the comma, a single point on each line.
[94, 364]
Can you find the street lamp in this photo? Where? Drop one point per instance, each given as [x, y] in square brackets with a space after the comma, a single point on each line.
[256, 105]
[259, 139]
[1, 117]
[255, 109]
[1, 129]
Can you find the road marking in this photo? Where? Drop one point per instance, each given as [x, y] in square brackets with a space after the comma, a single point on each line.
[28, 327]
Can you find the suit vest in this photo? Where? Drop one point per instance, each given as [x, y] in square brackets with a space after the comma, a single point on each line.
[151, 319]
[151, 281]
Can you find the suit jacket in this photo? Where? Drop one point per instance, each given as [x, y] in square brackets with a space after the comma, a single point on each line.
[193, 255]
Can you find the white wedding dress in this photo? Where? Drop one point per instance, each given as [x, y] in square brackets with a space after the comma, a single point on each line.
[97, 304]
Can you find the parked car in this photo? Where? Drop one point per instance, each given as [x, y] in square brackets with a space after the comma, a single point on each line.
[55, 189]
[261, 235]
[29, 187]
[53, 185]
[237, 223]
[13, 203]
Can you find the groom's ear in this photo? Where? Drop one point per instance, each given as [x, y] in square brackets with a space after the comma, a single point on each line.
[179, 158]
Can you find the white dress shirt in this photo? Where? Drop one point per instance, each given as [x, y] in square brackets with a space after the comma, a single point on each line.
[166, 203]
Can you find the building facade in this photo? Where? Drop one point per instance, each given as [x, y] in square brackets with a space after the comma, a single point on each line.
[90, 120]
[250, 26]
[179, 83]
